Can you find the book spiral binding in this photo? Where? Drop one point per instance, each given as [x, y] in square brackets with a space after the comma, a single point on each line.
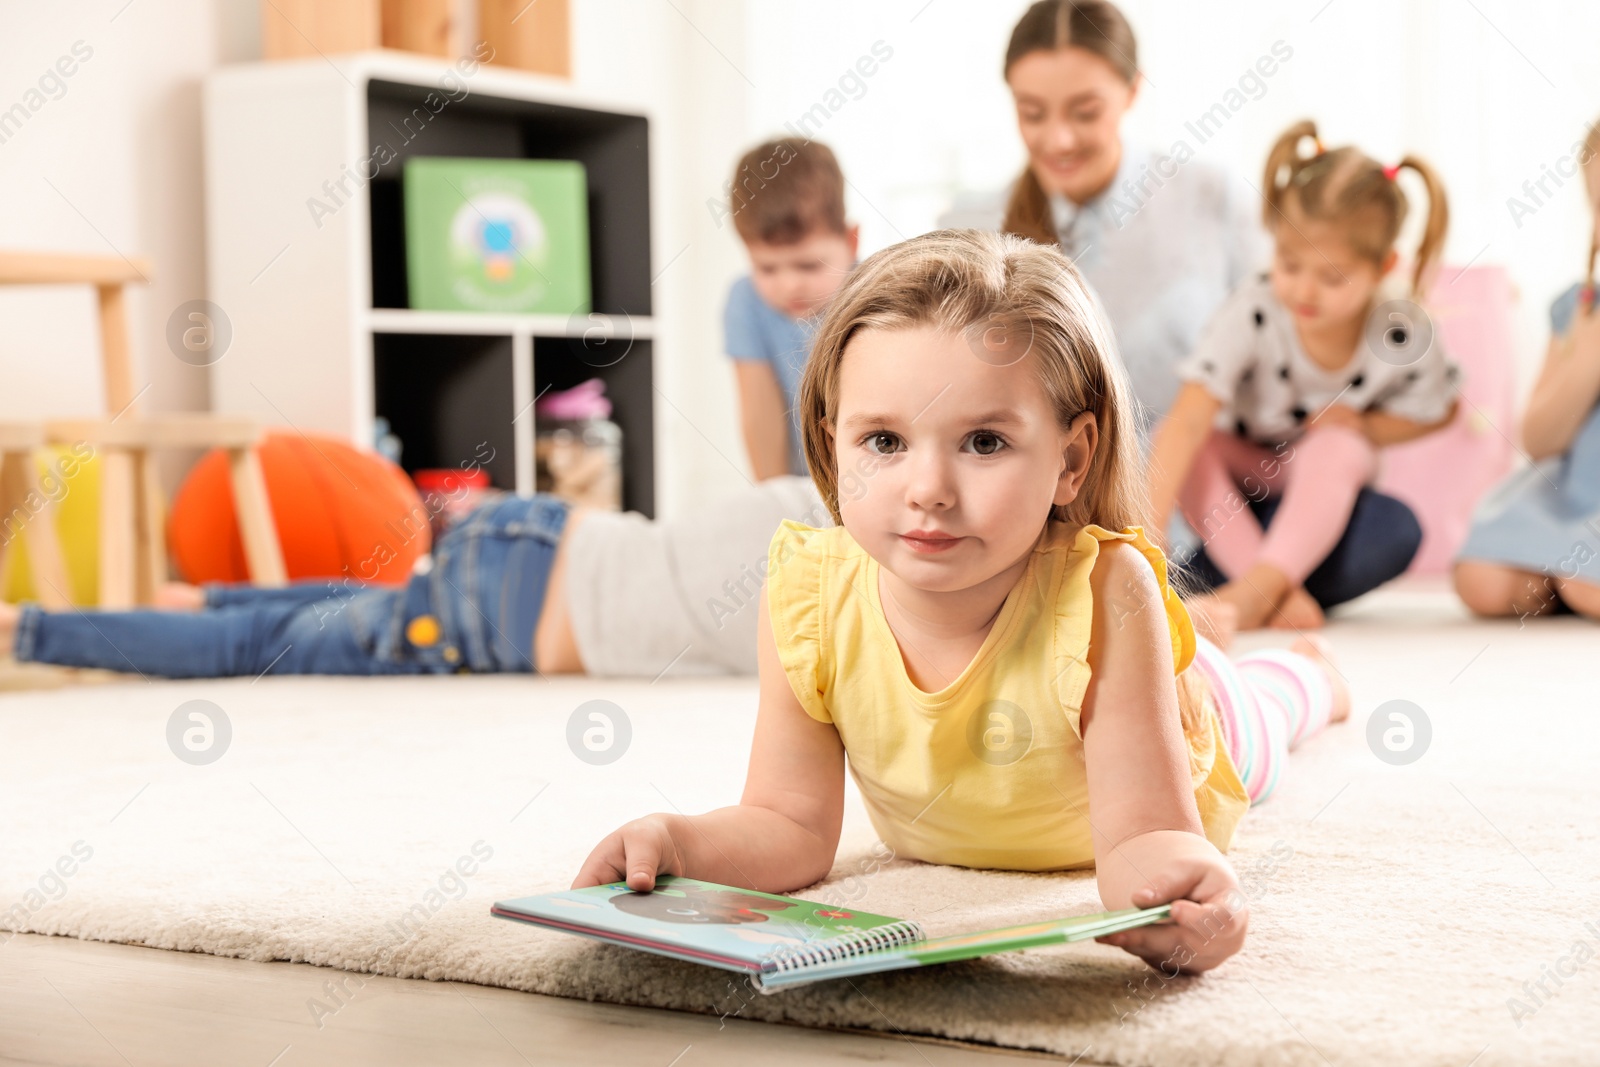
[890, 935]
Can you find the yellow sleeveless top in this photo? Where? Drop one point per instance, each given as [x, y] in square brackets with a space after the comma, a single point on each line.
[988, 771]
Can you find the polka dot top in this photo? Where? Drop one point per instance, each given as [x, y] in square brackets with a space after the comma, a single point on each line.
[1250, 358]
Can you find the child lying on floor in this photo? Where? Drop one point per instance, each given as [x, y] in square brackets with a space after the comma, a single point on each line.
[519, 584]
[985, 632]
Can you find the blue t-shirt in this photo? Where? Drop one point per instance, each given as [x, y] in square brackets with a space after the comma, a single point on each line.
[754, 330]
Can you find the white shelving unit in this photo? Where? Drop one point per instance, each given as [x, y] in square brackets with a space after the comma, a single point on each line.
[306, 250]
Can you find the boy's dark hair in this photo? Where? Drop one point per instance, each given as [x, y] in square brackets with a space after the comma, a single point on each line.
[785, 190]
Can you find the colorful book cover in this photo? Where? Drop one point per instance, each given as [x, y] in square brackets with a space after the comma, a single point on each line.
[506, 235]
[783, 941]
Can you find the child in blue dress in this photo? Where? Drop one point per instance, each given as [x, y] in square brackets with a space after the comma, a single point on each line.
[1534, 547]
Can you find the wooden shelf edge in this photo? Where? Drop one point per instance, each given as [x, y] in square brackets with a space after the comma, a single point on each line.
[406, 320]
[358, 68]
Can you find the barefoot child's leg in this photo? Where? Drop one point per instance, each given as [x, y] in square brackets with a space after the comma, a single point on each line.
[1214, 618]
[8, 627]
[179, 596]
[1256, 595]
[1270, 702]
[1315, 648]
[1493, 590]
[1298, 610]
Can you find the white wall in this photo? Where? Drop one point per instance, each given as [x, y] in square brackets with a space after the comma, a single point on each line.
[680, 59]
[108, 164]
[1490, 91]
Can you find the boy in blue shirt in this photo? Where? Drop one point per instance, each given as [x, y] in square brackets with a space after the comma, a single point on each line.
[787, 202]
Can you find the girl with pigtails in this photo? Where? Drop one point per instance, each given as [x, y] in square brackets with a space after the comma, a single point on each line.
[1302, 376]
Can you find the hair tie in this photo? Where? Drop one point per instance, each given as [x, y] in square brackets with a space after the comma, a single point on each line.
[1390, 172]
[1318, 142]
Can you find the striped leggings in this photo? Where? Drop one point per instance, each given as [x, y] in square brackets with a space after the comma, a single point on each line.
[1268, 702]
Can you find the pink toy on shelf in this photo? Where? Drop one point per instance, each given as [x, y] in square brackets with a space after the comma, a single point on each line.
[586, 400]
[577, 448]
[1442, 476]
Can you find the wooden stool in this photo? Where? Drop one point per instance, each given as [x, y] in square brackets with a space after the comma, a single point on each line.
[133, 546]
[26, 510]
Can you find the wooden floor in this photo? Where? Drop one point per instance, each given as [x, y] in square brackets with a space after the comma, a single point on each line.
[84, 1003]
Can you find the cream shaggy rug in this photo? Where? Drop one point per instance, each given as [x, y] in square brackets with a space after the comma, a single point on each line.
[1442, 912]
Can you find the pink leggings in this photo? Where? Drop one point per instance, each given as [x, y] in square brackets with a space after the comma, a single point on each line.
[1317, 477]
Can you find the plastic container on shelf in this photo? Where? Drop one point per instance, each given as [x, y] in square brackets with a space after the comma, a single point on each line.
[384, 440]
[577, 448]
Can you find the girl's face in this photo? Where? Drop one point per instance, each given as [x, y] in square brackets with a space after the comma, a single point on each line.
[958, 454]
[1317, 275]
[1070, 104]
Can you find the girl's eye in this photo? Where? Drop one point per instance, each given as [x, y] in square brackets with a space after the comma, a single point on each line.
[881, 443]
[985, 443]
[1087, 115]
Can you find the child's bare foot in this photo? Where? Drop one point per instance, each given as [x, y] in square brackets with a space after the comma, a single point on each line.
[1315, 648]
[8, 627]
[179, 596]
[1298, 610]
[1215, 618]
[1255, 595]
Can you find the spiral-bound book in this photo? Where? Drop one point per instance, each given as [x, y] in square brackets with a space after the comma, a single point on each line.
[783, 941]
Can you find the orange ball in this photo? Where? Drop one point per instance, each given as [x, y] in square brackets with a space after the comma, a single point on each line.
[340, 513]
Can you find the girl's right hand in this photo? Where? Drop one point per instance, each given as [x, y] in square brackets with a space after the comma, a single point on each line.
[1210, 915]
[638, 851]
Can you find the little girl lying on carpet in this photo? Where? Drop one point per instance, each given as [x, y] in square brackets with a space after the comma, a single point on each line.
[986, 633]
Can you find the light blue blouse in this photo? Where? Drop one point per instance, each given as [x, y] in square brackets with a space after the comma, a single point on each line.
[1162, 247]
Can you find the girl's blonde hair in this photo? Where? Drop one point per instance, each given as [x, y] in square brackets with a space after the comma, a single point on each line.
[1010, 299]
[1096, 26]
[1348, 188]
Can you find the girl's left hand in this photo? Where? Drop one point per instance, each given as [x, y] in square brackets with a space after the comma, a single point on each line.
[1209, 917]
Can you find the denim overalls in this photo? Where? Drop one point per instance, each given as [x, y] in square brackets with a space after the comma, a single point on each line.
[475, 609]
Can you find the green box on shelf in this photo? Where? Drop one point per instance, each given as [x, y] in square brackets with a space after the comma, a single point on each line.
[509, 235]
